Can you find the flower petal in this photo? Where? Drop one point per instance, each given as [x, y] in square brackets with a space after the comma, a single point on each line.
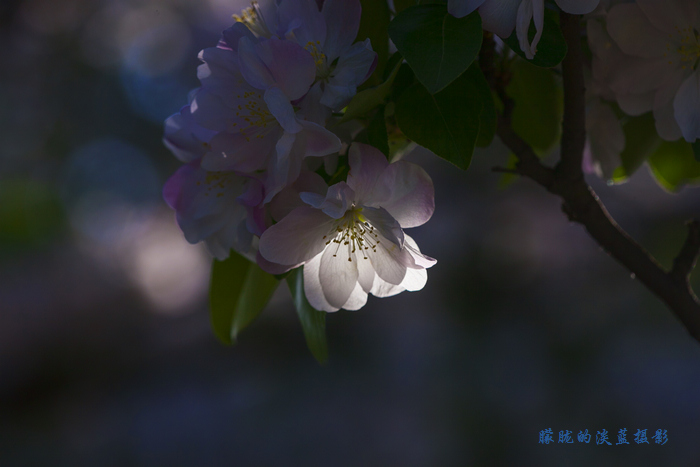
[357, 299]
[342, 22]
[384, 224]
[336, 203]
[274, 62]
[666, 125]
[297, 238]
[686, 107]
[338, 275]
[578, 7]
[406, 191]
[671, 15]
[499, 16]
[301, 21]
[312, 285]
[389, 260]
[366, 165]
[281, 109]
[634, 34]
[239, 152]
[421, 260]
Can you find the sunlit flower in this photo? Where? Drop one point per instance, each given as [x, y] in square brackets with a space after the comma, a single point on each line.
[351, 241]
[502, 16]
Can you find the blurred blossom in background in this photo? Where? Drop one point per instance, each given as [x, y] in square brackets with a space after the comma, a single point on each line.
[107, 357]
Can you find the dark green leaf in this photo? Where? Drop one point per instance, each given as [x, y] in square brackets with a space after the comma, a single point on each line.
[373, 25]
[313, 322]
[447, 123]
[538, 107]
[438, 46]
[488, 117]
[238, 292]
[641, 140]
[673, 165]
[376, 132]
[365, 101]
[551, 49]
[696, 149]
[400, 5]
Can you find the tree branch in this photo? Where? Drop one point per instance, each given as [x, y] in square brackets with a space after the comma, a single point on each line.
[582, 205]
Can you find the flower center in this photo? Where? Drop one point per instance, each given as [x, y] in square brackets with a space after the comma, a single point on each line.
[354, 233]
[253, 18]
[253, 115]
[689, 49]
[319, 58]
[216, 182]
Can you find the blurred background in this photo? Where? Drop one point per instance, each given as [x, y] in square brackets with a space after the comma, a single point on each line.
[106, 353]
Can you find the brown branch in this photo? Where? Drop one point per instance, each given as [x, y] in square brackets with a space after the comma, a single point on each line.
[582, 205]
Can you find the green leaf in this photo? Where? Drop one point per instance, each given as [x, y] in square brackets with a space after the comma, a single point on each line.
[673, 165]
[400, 5]
[238, 292]
[365, 101]
[538, 107]
[641, 140]
[488, 117]
[313, 322]
[373, 25]
[696, 149]
[438, 46]
[551, 49]
[447, 123]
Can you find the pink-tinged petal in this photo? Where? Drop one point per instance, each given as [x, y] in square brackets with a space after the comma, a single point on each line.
[338, 200]
[356, 300]
[461, 8]
[352, 69]
[239, 152]
[317, 140]
[280, 107]
[310, 107]
[343, 21]
[668, 90]
[636, 104]
[686, 107]
[366, 165]
[280, 166]
[639, 76]
[184, 138]
[499, 16]
[671, 15]
[389, 260]
[172, 190]
[288, 199]
[406, 192]
[312, 285]
[274, 62]
[338, 274]
[384, 225]
[578, 7]
[634, 34]
[666, 125]
[298, 237]
[273, 268]
[301, 21]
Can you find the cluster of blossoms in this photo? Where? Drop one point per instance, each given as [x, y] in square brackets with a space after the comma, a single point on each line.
[645, 58]
[256, 129]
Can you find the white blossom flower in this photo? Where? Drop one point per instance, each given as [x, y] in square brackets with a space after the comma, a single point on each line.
[351, 241]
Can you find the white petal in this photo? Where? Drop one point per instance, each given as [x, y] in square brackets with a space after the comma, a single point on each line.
[406, 192]
[365, 272]
[634, 34]
[669, 15]
[419, 258]
[381, 288]
[338, 274]
[686, 107]
[312, 285]
[498, 16]
[461, 8]
[389, 260]
[636, 104]
[357, 299]
[415, 279]
[298, 237]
